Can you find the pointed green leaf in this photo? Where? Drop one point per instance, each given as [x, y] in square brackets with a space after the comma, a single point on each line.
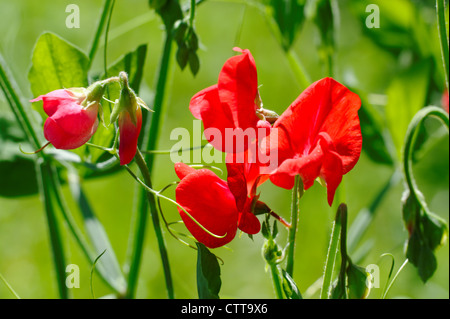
[56, 64]
[289, 16]
[290, 287]
[357, 282]
[208, 274]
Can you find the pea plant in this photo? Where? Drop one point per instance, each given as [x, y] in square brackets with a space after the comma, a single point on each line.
[80, 124]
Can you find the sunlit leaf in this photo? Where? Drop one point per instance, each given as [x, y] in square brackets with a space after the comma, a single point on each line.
[208, 274]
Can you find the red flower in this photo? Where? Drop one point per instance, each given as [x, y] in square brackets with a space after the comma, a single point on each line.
[243, 179]
[70, 124]
[210, 202]
[229, 107]
[129, 134]
[319, 135]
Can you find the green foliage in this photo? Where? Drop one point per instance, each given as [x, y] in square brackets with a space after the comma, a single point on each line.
[56, 64]
[427, 232]
[208, 274]
[289, 17]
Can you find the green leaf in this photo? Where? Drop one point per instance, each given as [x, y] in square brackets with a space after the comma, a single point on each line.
[357, 282]
[289, 16]
[169, 11]
[108, 266]
[290, 287]
[17, 171]
[406, 94]
[426, 231]
[374, 143]
[56, 64]
[194, 63]
[208, 274]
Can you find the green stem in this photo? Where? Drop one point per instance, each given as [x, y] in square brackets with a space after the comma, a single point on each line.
[9, 286]
[303, 78]
[331, 257]
[297, 193]
[44, 173]
[151, 130]
[276, 280]
[152, 127]
[8, 88]
[395, 278]
[415, 123]
[140, 235]
[443, 36]
[192, 13]
[98, 33]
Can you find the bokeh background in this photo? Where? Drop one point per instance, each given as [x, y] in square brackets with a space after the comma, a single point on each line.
[367, 60]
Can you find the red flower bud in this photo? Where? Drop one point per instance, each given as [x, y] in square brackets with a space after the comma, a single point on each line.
[70, 124]
[129, 134]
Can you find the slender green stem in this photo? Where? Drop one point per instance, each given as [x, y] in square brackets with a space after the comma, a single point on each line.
[395, 278]
[345, 259]
[276, 280]
[153, 124]
[159, 195]
[297, 193]
[192, 13]
[443, 36]
[105, 49]
[140, 234]
[409, 146]
[331, 257]
[302, 77]
[44, 171]
[151, 130]
[98, 33]
[9, 286]
[9, 89]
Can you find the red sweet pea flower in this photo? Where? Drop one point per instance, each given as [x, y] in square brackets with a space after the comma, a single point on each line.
[319, 135]
[210, 202]
[70, 124]
[230, 107]
[243, 179]
[218, 206]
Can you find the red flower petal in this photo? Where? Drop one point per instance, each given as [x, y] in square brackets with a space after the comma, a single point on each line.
[129, 134]
[318, 135]
[70, 126]
[182, 170]
[62, 139]
[228, 109]
[248, 222]
[238, 87]
[54, 100]
[209, 201]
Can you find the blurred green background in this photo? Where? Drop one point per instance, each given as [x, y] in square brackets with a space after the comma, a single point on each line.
[403, 54]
